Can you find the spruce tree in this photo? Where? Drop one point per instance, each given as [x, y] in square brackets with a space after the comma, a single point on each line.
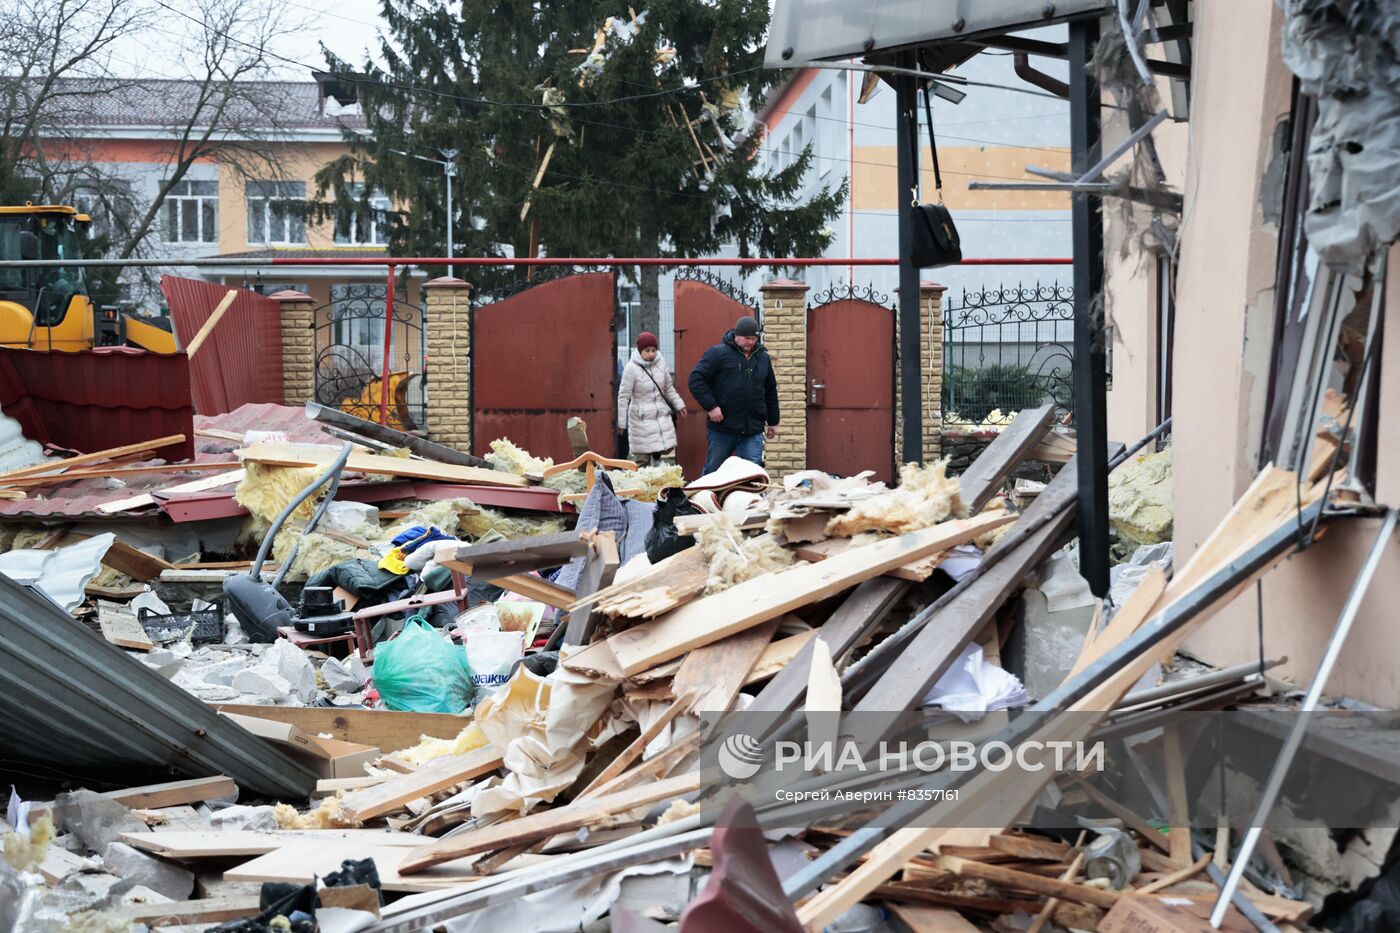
[649, 157]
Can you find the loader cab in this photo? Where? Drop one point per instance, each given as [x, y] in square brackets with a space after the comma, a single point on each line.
[43, 308]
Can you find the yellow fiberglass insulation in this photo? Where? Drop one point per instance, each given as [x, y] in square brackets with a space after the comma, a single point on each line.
[924, 497]
[266, 490]
[505, 455]
[329, 815]
[445, 515]
[98, 921]
[475, 524]
[986, 539]
[734, 558]
[25, 851]
[428, 748]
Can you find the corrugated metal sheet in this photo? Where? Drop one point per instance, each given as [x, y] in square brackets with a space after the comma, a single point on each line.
[69, 699]
[97, 399]
[241, 360]
[541, 356]
[80, 499]
[16, 450]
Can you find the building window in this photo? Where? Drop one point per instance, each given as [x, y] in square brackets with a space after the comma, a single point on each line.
[364, 228]
[272, 216]
[192, 212]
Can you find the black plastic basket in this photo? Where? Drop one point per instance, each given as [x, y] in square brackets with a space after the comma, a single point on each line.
[208, 626]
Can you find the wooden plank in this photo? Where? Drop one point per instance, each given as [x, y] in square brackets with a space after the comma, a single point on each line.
[1181, 874]
[207, 910]
[683, 704]
[754, 601]
[288, 455]
[432, 777]
[1178, 810]
[541, 825]
[211, 322]
[778, 655]
[598, 572]
[933, 649]
[216, 481]
[520, 555]
[915, 572]
[190, 845]
[300, 863]
[855, 618]
[155, 796]
[389, 731]
[823, 696]
[122, 472]
[921, 918]
[538, 589]
[1125, 621]
[1025, 881]
[1031, 847]
[690, 524]
[716, 671]
[59, 863]
[96, 456]
[1048, 910]
[985, 475]
[327, 787]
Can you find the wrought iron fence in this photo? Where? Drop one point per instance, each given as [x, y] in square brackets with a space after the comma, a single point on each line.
[1007, 349]
[350, 355]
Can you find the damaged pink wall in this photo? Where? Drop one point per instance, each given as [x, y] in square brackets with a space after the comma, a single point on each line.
[1240, 90]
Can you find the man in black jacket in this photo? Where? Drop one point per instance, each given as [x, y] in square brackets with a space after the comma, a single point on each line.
[734, 383]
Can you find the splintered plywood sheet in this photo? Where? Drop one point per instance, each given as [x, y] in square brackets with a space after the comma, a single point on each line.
[754, 601]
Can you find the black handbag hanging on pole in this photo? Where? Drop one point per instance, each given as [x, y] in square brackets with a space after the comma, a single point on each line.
[936, 241]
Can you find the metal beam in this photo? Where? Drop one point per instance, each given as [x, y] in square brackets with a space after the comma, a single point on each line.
[907, 195]
[1090, 379]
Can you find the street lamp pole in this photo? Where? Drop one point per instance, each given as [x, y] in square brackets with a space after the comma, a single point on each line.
[449, 169]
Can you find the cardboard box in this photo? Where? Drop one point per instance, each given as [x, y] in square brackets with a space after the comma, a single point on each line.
[329, 758]
[1166, 915]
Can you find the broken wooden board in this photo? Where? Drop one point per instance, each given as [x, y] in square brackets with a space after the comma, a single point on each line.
[916, 571]
[598, 572]
[434, 776]
[716, 671]
[389, 731]
[203, 912]
[634, 749]
[538, 589]
[747, 521]
[155, 796]
[541, 825]
[778, 655]
[189, 845]
[98, 455]
[121, 472]
[984, 476]
[754, 601]
[297, 456]
[301, 863]
[661, 588]
[521, 555]
[216, 481]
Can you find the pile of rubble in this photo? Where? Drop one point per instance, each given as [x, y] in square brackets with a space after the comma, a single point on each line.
[582, 725]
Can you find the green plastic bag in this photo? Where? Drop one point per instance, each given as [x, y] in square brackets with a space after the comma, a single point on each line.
[422, 672]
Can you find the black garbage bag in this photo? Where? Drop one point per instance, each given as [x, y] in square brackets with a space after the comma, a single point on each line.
[663, 540]
[1374, 905]
[298, 902]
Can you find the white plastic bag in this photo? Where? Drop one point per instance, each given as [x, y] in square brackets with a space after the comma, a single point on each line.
[491, 655]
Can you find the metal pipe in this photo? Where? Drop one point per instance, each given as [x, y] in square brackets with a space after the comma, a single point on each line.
[1300, 723]
[388, 346]
[334, 417]
[331, 471]
[664, 261]
[1021, 64]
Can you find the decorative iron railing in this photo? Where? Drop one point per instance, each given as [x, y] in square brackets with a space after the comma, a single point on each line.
[350, 355]
[1007, 349]
[719, 283]
[845, 291]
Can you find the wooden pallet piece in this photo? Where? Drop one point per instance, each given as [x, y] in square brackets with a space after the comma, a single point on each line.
[755, 601]
[290, 456]
[984, 476]
[541, 825]
[434, 776]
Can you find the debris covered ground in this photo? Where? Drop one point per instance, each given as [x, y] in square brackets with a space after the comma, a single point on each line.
[505, 716]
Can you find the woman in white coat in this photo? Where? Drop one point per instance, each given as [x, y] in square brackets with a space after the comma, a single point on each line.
[646, 402]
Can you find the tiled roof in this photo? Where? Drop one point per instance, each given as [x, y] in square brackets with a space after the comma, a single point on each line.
[343, 252]
[158, 102]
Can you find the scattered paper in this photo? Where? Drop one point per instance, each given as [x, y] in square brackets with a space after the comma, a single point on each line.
[973, 687]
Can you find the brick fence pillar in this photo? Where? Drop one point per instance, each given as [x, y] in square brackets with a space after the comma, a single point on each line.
[448, 312]
[298, 346]
[785, 335]
[931, 361]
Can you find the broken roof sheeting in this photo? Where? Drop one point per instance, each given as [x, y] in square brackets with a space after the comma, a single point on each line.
[70, 699]
[241, 362]
[81, 498]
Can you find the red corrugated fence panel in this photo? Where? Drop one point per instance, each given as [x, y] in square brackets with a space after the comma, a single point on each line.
[241, 360]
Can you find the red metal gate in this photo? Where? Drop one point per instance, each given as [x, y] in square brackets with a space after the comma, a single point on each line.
[540, 356]
[850, 388]
[705, 308]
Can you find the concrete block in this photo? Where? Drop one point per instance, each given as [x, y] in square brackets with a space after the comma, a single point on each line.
[293, 666]
[1054, 622]
[263, 683]
[139, 868]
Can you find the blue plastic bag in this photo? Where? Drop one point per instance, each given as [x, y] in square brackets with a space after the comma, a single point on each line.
[422, 672]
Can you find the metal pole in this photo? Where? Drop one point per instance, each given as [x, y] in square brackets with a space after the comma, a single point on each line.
[1300, 723]
[388, 343]
[911, 365]
[449, 169]
[224, 262]
[1090, 380]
